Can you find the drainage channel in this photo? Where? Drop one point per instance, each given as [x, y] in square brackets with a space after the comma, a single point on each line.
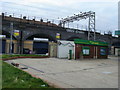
[32, 68]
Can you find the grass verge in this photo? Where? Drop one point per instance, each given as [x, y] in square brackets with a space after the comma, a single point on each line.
[19, 55]
[15, 78]
[0, 74]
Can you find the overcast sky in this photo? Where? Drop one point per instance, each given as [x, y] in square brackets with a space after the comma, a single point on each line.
[106, 10]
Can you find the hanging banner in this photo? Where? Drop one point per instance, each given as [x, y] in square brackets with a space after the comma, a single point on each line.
[16, 33]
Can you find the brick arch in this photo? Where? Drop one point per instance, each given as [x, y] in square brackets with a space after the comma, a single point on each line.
[40, 35]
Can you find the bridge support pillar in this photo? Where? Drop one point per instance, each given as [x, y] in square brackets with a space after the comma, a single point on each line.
[21, 43]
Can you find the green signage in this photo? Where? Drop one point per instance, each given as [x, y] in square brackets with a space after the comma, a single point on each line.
[80, 41]
[117, 32]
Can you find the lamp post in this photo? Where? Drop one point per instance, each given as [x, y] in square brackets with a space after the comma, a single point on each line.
[11, 39]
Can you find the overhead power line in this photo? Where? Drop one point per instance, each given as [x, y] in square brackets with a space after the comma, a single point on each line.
[83, 15]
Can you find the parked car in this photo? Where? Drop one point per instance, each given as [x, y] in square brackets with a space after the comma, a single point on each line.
[26, 51]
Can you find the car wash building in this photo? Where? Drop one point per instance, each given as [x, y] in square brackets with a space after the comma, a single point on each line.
[65, 49]
[90, 49]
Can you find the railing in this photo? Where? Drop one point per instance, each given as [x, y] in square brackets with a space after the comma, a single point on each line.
[37, 19]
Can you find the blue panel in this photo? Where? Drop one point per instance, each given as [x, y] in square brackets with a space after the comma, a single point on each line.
[3, 46]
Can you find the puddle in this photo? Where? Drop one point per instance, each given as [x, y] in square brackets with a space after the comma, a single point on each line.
[107, 72]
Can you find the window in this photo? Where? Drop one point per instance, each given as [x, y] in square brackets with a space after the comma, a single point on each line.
[103, 51]
[86, 50]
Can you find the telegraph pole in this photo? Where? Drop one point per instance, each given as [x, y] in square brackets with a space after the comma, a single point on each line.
[11, 39]
[21, 42]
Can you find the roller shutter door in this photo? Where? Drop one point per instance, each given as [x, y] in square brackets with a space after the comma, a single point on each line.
[40, 47]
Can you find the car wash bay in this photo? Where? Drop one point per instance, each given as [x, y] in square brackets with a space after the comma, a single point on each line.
[37, 45]
[40, 47]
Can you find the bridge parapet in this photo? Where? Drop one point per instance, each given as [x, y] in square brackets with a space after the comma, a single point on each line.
[30, 27]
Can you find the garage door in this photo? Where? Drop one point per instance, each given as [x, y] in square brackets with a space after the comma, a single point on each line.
[40, 47]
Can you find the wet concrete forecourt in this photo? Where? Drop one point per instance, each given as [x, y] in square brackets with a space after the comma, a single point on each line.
[63, 73]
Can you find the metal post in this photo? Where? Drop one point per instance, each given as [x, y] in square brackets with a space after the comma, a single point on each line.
[89, 28]
[11, 33]
[84, 15]
[94, 28]
[21, 42]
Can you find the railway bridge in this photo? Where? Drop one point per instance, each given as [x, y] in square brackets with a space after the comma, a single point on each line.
[30, 30]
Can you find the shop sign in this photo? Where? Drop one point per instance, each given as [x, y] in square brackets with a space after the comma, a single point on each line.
[88, 42]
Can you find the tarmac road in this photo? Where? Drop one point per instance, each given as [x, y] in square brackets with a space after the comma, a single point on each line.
[63, 73]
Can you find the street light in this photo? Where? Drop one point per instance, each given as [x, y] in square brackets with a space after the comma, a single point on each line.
[11, 33]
